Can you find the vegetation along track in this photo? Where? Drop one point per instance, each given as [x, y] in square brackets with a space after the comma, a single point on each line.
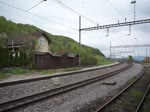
[143, 105]
[128, 99]
[4, 84]
[29, 100]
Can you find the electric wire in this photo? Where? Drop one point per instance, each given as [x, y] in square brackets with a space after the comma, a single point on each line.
[38, 16]
[110, 3]
[124, 48]
[115, 8]
[35, 5]
[76, 12]
[49, 19]
[76, 30]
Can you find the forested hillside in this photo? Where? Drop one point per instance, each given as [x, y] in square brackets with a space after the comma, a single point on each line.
[59, 45]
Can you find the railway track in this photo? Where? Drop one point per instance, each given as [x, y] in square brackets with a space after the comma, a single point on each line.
[140, 106]
[29, 100]
[109, 104]
[4, 84]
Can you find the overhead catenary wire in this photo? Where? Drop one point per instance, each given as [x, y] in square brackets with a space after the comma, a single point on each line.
[122, 42]
[48, 27]
[115, 8]
[36, 5]
[77, 12]
[110, 3]
[37, 16]
[76, 30]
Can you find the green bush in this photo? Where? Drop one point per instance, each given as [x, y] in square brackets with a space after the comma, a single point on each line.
[130, 58]
[88, 60]
[4, 57]
[18, 71]
[16, 59]
[3, 76]
[11, 59]
[1, 60]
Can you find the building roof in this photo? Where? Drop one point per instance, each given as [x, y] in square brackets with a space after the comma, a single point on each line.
[55, 55]
[72, 55]
[26, 38]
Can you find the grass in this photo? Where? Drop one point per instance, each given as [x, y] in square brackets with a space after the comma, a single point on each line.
[13, 71]
[70, 69]
[3, 75]
[146, 106]
[136, 94]
[132, 79]
[58, 70]
[17, 71]
[46, 71]
[105, 62]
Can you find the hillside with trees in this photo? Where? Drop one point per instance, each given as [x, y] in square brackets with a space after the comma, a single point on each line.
[59, 45]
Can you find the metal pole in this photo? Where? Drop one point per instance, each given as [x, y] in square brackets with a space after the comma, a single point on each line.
[134, 55]
[129, 30]
[136, 47]
[138, 55]
[79, 41]
[110, 49]
[134, 11]
[146, 52]
[133, 2]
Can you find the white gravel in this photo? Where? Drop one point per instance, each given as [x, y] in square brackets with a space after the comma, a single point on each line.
[21, 90]
[76, 99]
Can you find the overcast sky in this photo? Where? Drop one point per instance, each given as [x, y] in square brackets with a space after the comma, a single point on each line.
[54, 17]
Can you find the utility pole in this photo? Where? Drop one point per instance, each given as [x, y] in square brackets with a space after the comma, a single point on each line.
[134, 55]
[138, 55]
[136, 47]
[129, 30]
[79, 41]
[110, 49]
[146, 52]
[133, 2]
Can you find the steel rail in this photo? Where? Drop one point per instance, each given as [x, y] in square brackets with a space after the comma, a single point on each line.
[143, 99]
[3, 84]
[120, 93]
[29, 100]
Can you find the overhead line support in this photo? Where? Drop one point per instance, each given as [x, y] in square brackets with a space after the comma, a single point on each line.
[79, 41]
[125, 46]
[116, 25]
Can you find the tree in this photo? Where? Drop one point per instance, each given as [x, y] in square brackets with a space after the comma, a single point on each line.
[7, 62]
[59, 44]
[16, 59]
[21, 58]
[130, 58]
[1, 60]
[4, 57]
[11, 59]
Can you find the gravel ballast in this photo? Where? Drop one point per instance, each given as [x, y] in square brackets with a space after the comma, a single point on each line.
[21, 90]
[79, 98]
